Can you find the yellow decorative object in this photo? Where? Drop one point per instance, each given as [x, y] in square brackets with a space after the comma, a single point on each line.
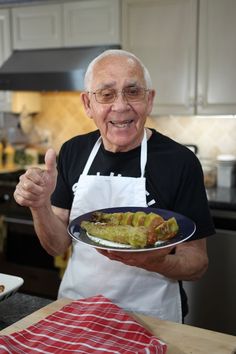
[61, 261]
[9, 154]
[1, 155]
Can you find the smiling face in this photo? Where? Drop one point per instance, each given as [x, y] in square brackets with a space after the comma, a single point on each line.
[121, 123]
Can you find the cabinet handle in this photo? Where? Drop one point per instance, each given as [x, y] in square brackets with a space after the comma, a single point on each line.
[200, 101]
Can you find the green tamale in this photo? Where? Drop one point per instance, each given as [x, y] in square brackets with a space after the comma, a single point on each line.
[135, 236]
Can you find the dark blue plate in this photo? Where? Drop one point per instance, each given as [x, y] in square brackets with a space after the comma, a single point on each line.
[186, 229]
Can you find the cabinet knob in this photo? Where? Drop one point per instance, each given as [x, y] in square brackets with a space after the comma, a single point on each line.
[200, 101]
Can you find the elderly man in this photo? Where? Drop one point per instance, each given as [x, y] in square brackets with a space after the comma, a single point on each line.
[120, 164]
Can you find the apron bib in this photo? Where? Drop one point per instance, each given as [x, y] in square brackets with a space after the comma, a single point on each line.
[89, 273]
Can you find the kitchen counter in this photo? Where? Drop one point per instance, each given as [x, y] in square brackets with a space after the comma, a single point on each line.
[181, 339]
[18, 306]
[222, 198]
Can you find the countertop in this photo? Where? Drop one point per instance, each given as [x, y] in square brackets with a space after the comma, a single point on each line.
[222, 198]
[19, 306]
[180, 339]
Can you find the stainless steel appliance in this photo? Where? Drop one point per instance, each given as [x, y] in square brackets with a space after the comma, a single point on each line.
[56, 69]
[212, 300]
[20, 250]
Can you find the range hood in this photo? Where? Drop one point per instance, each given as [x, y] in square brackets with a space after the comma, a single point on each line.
[48, 69]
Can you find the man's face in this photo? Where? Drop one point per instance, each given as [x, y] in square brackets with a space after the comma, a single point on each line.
[121, 122]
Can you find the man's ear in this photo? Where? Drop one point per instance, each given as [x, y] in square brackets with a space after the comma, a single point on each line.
[151, 96]
[84, 96]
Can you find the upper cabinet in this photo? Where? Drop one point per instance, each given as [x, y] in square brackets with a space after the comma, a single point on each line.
[91, 22]
[189, 48]
[37, 27]
[162, 33]
[68, 24]
[216, 82]
[5, 35]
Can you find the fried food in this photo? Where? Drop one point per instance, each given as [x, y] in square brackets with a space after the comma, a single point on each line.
[126, 234]
[2, 288]
[167, 229]
[139, 218]
[137, 229]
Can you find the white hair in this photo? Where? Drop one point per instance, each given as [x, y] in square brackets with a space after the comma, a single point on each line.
[115, 52]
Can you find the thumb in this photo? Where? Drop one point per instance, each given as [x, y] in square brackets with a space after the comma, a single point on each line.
[51, 161]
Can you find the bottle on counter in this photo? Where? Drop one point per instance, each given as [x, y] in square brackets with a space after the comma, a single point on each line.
[9, 156]
[1, 155]
[209, 172]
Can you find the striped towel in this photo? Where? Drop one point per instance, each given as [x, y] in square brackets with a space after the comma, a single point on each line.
[91, 325]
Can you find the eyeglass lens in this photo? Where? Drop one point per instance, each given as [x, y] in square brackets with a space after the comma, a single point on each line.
[109, 95]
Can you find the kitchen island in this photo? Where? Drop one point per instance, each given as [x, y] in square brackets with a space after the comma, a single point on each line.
[180, 339]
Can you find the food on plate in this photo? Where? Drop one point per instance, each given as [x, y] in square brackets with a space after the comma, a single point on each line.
[137, 229]
[135, 236]
[2, 288]
[166, 230]
[139, 218]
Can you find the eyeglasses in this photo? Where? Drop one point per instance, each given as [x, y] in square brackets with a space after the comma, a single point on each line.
[109, 95]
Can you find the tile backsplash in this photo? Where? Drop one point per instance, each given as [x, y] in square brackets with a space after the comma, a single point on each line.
[213, 135]
[62, 113]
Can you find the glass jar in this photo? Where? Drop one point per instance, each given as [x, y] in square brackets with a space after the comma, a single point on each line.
[209, 172]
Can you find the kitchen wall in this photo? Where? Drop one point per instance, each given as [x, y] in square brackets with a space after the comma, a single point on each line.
[63, 114]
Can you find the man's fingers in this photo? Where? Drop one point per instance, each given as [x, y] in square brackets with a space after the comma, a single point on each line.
[51, 161]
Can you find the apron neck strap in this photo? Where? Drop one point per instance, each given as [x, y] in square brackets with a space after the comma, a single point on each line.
[143, 158]
[92, 156]
[97, 145]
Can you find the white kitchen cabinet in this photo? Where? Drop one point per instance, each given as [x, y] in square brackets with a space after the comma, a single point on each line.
[66, 24]
[192, 60]
[37, 26]
[91, 23]
[216, 85]
[162, 33]
[5, 35]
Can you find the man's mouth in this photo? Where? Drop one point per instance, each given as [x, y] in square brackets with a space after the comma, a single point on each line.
[122, 124]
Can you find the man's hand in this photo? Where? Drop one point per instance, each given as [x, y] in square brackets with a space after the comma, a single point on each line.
[146, 260]
[189, 261]
[36, 185]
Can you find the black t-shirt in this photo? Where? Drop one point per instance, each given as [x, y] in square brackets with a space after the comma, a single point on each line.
[174, 178]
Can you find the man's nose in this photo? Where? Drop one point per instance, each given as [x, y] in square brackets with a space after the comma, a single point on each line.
[120, 98]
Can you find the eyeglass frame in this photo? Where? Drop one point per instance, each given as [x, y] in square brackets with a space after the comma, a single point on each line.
[118, 92]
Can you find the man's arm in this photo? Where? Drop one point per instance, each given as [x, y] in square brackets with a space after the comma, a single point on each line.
[50, 225]
[189, 262]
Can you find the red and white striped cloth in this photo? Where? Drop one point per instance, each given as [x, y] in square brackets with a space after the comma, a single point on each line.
[92, 325]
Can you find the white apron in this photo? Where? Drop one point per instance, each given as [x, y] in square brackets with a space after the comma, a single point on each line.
[89, 273]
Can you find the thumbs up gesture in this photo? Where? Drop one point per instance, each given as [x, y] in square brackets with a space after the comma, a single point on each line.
[36, 185]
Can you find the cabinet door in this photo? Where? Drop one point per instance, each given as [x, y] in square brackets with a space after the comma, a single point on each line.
[162, 33]
[92, 23]
[217, 57]
[37, 27]
[5, 36]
